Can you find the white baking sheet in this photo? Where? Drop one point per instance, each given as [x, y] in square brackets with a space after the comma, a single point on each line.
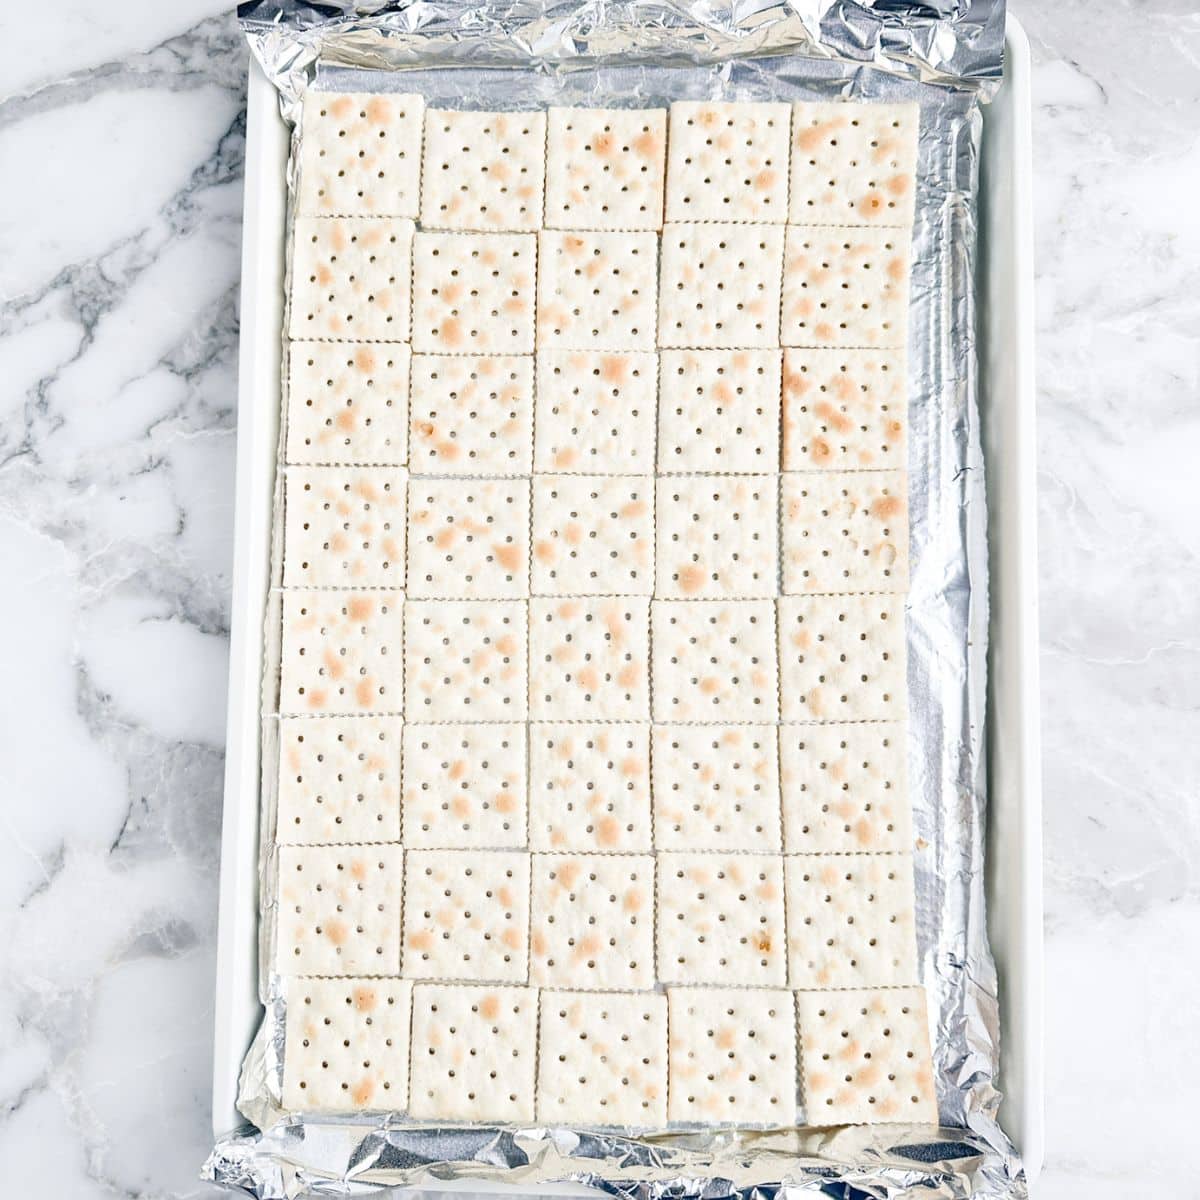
[1007, 400]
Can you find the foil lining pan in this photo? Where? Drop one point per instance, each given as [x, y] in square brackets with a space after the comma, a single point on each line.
[639, 53]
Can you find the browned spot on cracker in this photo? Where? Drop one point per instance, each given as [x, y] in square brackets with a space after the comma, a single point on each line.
[691, 577]
[834, 416]
[648, 144]
[871, 205]
[588, 946]
[508, 556]
[629, 675]
[820, 450]
[887, 507]
[608, 831]
[450, 332]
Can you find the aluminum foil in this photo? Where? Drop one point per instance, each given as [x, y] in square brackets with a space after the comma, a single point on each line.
[637, 53]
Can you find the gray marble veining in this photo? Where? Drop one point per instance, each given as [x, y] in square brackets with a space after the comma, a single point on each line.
[121, 140]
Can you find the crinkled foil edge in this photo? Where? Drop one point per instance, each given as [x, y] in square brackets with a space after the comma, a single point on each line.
[481, 55]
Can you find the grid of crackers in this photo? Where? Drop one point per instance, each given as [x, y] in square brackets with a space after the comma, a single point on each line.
[592, 801]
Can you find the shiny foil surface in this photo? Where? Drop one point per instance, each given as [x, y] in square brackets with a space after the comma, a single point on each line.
[640, 53]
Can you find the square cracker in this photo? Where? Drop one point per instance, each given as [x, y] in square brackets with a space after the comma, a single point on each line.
[360, 155]
[717, 537]
[716, 788]
[483, 170]
[468, 539]
[465, 660]
[845, 287]
[346, 1045]
[594, 929]
[844, 410]
[842, 658]
[589, 788]
[719, 286]
[733, 1057]
[340, 652]
[850, 921]
[845, 788]
[721, 919]
[472, 416]
[595, 412]
[473, 1053]
[719, 411]
[593, 535]
[344, 527]
[351, 279]
[339, 910]
[853, 164]
[604, 168]
[596, 291]
[348, 404]
[473, 293]
[728, 162]
[845, 531]
[864, 1057]
[588, 659]
[466, 915]
[339, 780]
[464, 785]
[714, 660]
[602, 1059]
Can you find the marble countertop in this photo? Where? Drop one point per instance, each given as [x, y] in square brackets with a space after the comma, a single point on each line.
[121, 142]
